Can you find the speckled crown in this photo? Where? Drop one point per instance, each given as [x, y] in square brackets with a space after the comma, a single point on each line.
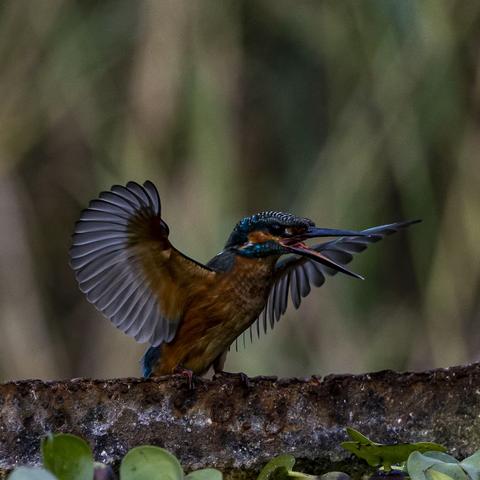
[264, 220]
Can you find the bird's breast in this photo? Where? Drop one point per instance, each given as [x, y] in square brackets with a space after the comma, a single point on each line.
[248, 283]
[236, 298]
[218, 312]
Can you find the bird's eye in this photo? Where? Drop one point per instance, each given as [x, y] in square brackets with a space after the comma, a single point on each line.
[277, 229]
[289, 231]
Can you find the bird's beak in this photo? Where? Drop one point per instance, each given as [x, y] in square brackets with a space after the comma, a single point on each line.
[314, 232]
[296, 245]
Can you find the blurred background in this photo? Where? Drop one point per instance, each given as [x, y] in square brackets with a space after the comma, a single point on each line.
[351, 113]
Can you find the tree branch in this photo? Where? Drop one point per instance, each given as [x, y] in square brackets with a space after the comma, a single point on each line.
[224, 424]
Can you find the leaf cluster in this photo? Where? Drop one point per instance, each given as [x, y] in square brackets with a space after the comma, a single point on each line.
[408, 461]
[68, 457]
[417, 461]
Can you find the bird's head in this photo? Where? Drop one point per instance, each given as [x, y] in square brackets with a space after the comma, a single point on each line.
[269, 234]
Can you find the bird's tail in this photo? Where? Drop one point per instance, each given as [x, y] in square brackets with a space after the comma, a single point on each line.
[149, 360]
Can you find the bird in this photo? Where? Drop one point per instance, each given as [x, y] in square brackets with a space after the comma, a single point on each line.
[188, 312]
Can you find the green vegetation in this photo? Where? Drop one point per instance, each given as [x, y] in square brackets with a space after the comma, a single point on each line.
[377, 454]
[417, 461]
[278, 468]
[67, 457]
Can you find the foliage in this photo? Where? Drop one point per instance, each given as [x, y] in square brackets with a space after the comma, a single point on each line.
[410, 461]
[144, 462]
[440, 466]
[281, 468]
[68, 457]
[418, 461]
[26, 473]
[277, 468]
[377, 454]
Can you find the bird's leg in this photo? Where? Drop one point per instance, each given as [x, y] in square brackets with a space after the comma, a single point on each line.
[186, 373]
[218, 365]
[242, 376]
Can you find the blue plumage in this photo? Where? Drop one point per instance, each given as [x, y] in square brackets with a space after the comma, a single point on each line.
[149, 359]
[267, 221]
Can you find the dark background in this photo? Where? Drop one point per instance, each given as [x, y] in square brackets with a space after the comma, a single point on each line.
[353, 113]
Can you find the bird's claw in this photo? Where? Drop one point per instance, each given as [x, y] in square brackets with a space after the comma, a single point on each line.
[187, 373]
[243, 377]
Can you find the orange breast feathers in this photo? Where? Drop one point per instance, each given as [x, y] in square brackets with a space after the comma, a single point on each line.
[218, 310]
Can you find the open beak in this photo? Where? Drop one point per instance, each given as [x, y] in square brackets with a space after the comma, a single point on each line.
[297, 246]
[314, 232]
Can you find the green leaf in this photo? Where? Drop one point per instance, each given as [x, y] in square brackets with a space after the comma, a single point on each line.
[370, 455]
[452, 470]
[283, 474]
[276, 466]
[417, 464]
[442, 456]
[205, 474]
[356, 436]
[434, 475]
[68, 457]
[472, 466]
[150, 463]
[27, 473]
[434, 466]
[377, 454]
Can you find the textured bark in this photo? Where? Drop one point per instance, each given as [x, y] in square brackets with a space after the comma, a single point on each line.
[235, 428]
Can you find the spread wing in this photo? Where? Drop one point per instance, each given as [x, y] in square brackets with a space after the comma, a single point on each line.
[295, 275]
[126, 266]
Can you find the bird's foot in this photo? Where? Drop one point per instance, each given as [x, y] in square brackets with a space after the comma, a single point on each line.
[242, 376]
[186, 373]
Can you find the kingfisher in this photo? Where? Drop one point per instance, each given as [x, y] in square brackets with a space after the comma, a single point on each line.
[188, 312]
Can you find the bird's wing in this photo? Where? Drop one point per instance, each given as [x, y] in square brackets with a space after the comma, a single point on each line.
[126, 266]
[296, 274]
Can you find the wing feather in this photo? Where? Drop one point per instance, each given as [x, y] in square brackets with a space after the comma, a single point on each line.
[117, 200]
[278, 298]
[124, 316]
[304, 281]
[117, 282]
[264, 317]
[153, 196]
[294, 288]
[103, 205]
[127, 195]
[126, 266]
[101, 216]
[85, 238]
[86, 255]
[296, 274]
[96, 226]
[122, 302]
[142, 309]
[271, 306]
[139, 192]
